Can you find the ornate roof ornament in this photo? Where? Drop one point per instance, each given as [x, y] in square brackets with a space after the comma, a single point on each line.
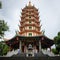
[29, 4]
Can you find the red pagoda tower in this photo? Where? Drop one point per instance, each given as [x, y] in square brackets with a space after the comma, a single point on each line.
[30, 24]
[30, 39]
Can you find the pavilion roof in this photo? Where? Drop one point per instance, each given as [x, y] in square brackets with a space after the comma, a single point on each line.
[45, 41]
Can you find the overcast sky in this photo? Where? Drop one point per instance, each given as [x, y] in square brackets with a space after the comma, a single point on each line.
[49, 15]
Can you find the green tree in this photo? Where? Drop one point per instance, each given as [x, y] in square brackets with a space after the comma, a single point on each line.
[3, 49]
[55, 51]
[0, 5]
[57, 42]
[3, 28]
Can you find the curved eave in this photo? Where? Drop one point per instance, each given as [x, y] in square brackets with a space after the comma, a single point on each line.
[30, 31]
[45, 42]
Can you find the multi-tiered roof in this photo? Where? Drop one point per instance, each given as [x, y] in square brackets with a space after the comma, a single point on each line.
[30, 24]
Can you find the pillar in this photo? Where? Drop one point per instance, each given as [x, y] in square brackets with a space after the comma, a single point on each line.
[24, 49]
[39, 46]
[20, 47]
[50, 49]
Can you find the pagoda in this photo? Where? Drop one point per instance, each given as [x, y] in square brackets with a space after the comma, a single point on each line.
[30, 24]
[30, 39]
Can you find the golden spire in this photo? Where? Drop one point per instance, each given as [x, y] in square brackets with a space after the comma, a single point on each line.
[29, 3]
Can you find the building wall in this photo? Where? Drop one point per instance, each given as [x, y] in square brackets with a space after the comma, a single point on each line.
[27, 34]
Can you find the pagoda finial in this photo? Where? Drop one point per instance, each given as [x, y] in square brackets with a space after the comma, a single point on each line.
[29, 3]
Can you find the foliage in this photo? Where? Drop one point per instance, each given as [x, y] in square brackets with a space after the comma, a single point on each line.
[0, 5]
[3, 49]
[3, 28]
[55, 51]
[57, 42]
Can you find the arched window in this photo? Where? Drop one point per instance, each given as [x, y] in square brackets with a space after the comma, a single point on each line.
[30, 27]
[29, 16]
[29, 21]
[30, 34]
